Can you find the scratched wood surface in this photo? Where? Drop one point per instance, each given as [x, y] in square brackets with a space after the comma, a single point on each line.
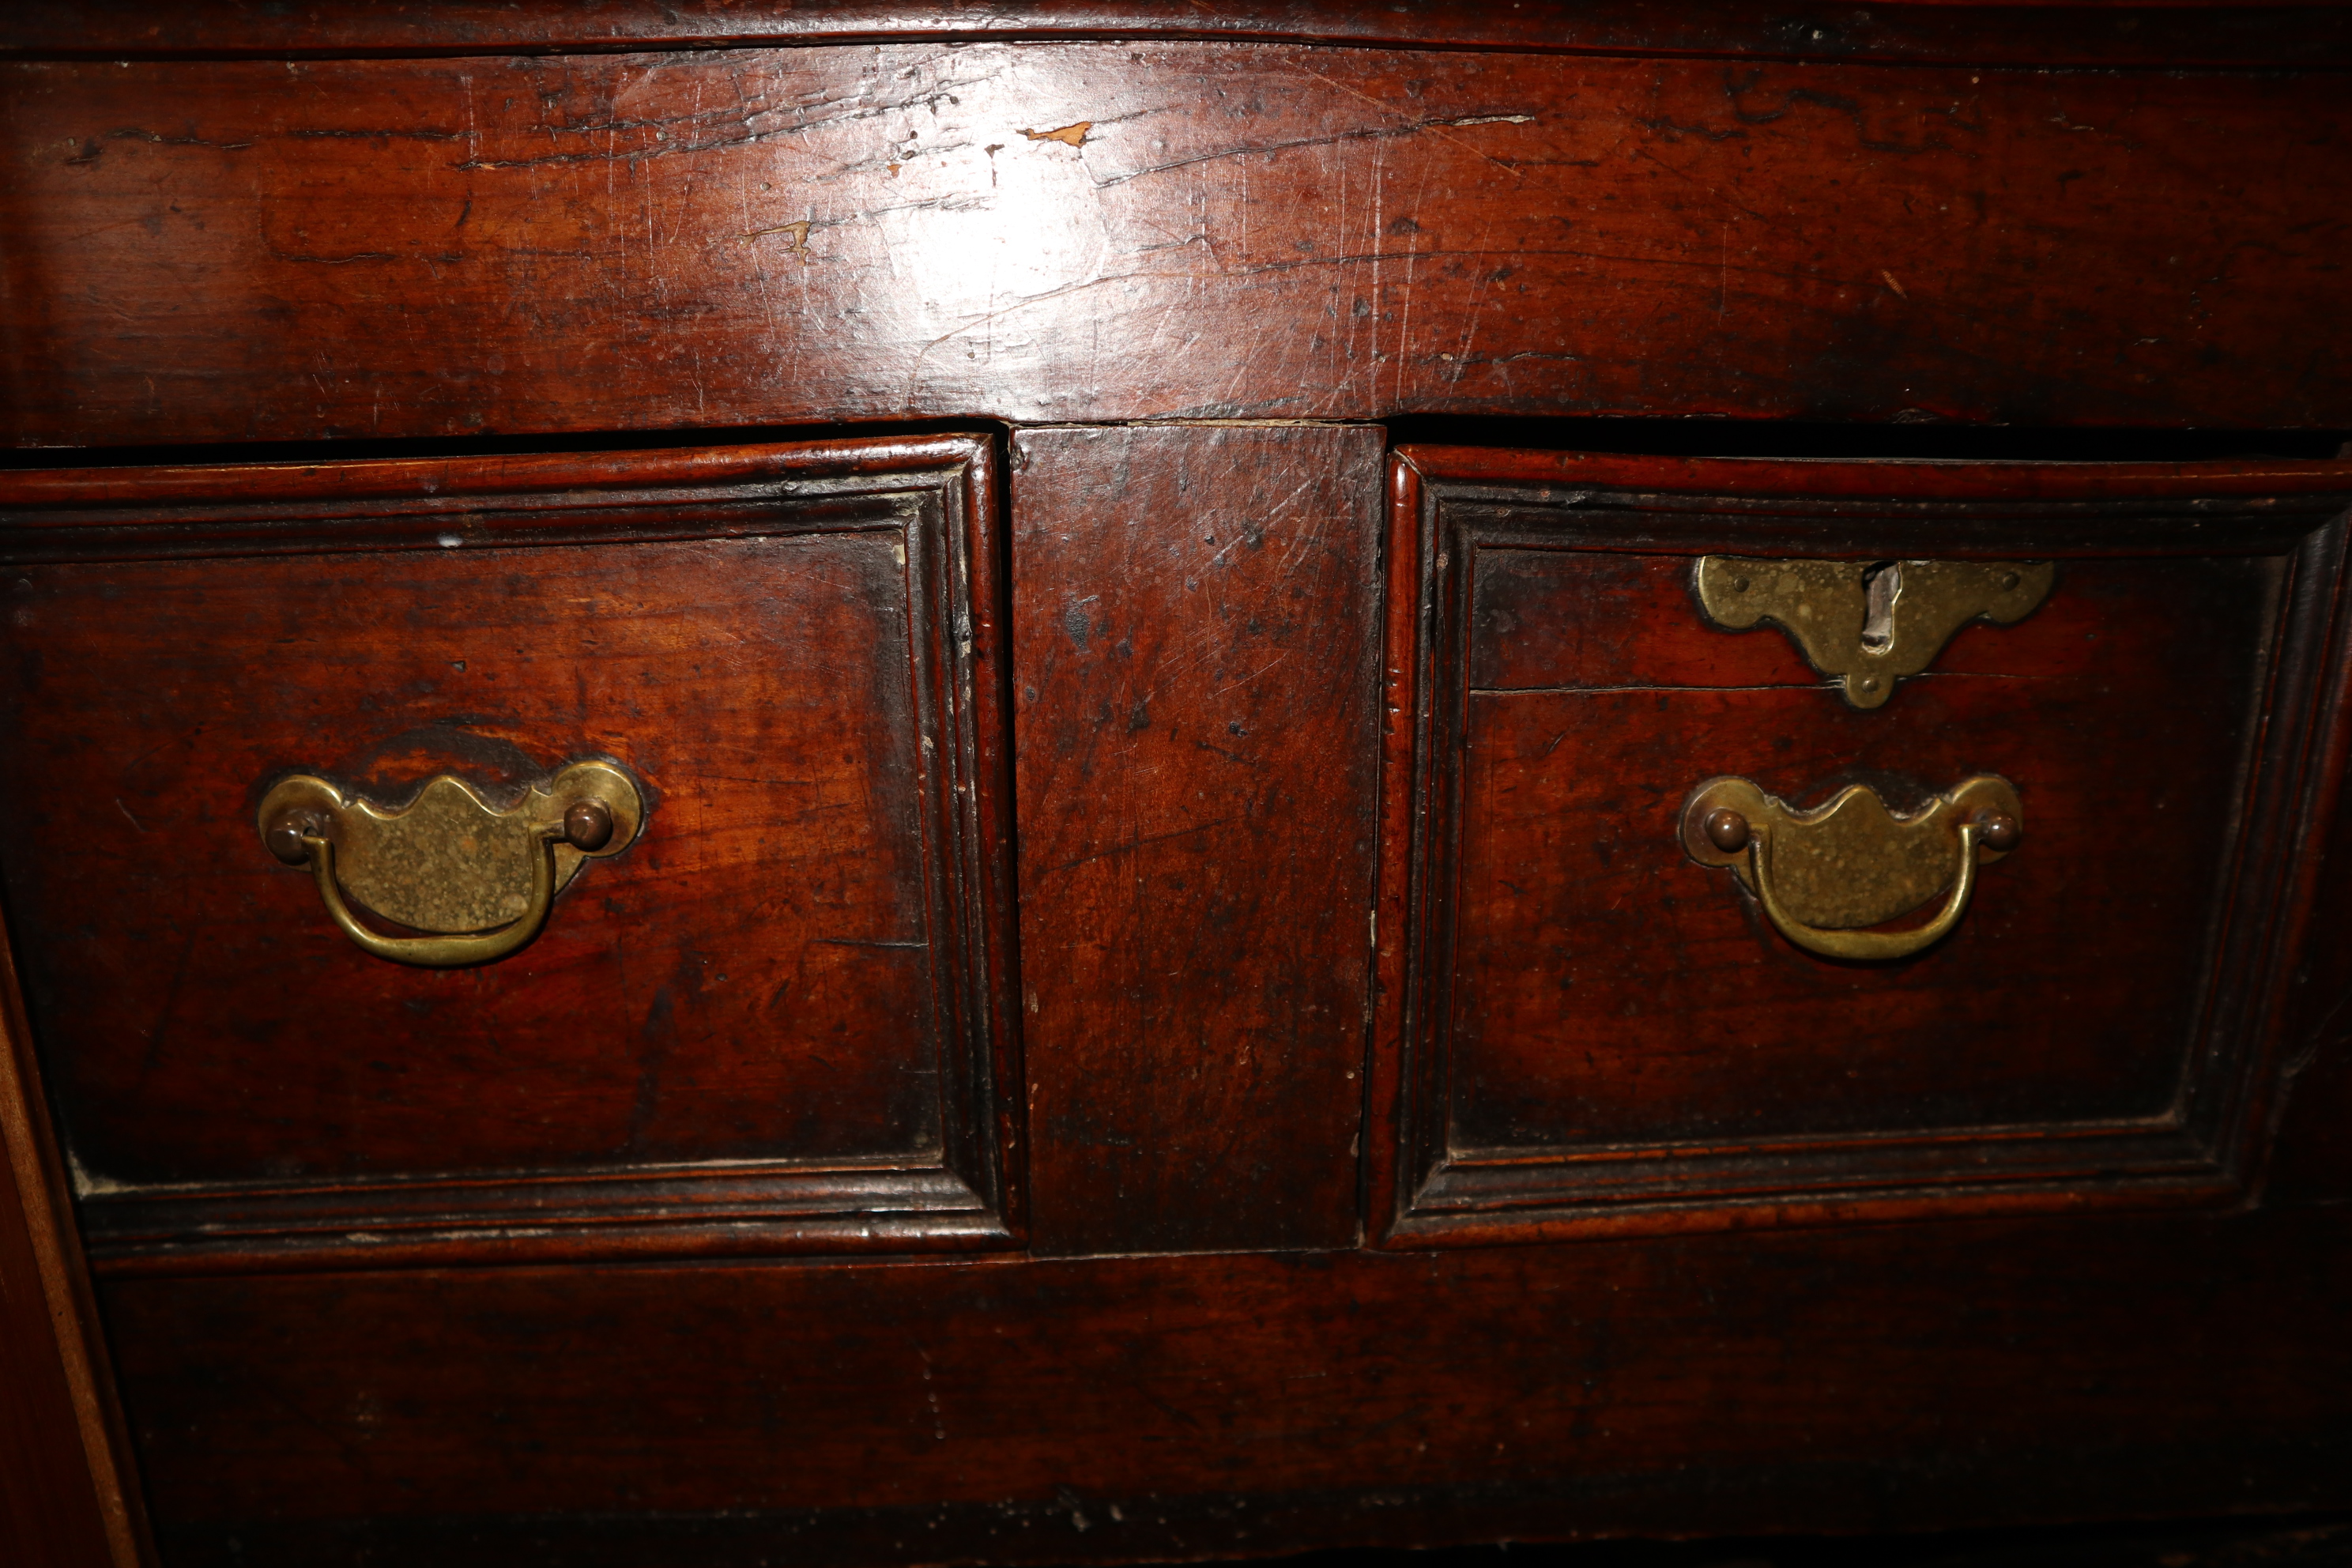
[783, 968]
[1605, 990]
[793, 1017]
[234, 251]
[1867, 1378]
[1280, 209]
[1194, 647]
[69, 1495]
[1595, 1021]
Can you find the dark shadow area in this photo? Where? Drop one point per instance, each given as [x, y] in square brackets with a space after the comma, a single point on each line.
[2293, 1542]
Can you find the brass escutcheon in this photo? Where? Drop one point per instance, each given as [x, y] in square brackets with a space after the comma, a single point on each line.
[1823, 875]
[447, 862]
[1869, 622]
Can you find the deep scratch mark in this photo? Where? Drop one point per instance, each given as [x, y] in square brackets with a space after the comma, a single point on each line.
[799, 230]
[1133, 844]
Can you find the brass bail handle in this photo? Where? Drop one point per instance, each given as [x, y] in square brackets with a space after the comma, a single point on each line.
[1859, 865]
[448, 863]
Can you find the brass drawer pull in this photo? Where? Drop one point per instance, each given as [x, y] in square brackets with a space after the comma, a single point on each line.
[447, 862]
[1821, 875]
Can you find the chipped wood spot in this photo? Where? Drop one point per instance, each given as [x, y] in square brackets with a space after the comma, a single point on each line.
[1076, 135]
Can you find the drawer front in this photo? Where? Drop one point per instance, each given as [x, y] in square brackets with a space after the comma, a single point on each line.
[760, 1018]
[1465, 231]
[1607, 1019]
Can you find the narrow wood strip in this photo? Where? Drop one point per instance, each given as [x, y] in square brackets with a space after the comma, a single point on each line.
[2023, 32]
[65, 1474]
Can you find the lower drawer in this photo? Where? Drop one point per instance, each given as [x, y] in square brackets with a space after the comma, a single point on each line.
[754, 1015]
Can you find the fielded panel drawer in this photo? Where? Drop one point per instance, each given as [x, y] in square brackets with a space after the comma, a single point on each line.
[291, 752]
[1777, 841]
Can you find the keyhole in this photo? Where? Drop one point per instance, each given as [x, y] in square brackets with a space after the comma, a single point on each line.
[1882, 584]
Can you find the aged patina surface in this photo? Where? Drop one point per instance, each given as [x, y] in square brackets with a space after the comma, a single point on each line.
[1164, 576]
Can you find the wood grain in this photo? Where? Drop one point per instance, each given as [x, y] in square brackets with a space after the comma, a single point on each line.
[1897, 1377]
[1590, 1019]
[592, 1259]
[1607, 991]
[68, 1490]
[1194, 614]
[226, 250]
[771, 1010]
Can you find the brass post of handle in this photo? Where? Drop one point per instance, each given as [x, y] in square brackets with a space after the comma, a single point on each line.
[445, 863]
[1867, 865]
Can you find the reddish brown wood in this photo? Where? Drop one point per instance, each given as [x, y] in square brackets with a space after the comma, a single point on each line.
[987, 813]
[237, 500]
[1401, 899]
[1193, 662]
[1897, 1377]
[220, 251]
[596, 219]
[786, 973]
[1805, 483]
[2082, 32]
[69, 1495]
[1596, 1026]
